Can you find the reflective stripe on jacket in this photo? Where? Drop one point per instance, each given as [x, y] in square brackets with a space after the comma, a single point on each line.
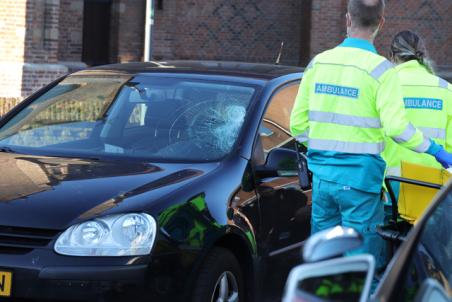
[428, 103]
[348, 100]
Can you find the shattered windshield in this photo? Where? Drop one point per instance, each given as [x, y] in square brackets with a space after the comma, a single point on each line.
[162, 119]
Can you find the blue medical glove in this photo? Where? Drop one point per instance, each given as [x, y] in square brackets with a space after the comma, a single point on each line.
[441, 155]
[434, 148]
[444, 158]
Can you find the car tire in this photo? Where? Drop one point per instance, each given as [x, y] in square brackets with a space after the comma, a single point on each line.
[220, 275]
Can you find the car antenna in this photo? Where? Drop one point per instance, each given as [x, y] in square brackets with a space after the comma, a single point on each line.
[278, 59]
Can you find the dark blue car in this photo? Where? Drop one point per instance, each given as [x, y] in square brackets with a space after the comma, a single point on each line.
[168, 181]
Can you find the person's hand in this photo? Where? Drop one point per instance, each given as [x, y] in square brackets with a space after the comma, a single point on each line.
[444, 158]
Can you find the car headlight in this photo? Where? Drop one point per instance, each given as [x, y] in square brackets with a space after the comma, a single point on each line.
[116, 235]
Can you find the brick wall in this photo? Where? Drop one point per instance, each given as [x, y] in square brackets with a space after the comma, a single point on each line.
[38, 35]
[70, 30]
[12, 30]
[228, 30]
[127, 32]
[12, 35]
[29, 50]
[42, 31]
[40, 65]
[431, 19]
[36, 76]
[327, 25]
[163, 39]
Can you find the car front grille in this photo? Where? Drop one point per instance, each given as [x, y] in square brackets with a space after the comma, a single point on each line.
[19, 240]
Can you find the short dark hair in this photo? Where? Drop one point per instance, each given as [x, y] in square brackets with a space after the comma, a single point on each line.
[366, 13]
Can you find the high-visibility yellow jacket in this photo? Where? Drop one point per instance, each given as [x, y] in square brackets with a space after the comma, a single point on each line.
[349, 100]
[428, 103]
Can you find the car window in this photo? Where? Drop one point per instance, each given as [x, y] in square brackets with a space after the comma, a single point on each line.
[66, 113]
[275, 127]
[432, 256]
[164, 119]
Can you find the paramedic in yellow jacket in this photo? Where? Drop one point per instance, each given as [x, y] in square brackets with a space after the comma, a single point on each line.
[427, 99]
[349, 99]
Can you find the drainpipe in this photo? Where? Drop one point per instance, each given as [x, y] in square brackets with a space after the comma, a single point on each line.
[149, 22]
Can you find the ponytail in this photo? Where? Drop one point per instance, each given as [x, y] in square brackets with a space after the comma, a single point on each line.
[407, 46]
[427, 63]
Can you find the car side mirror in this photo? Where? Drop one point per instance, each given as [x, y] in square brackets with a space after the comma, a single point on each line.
[331, 243]
[340, 279]
[280, 162]
[285, 163]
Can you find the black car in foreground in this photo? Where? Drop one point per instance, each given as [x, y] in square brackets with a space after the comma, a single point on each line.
[169, 181]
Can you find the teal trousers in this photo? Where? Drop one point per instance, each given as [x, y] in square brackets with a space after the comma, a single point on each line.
[335, 204]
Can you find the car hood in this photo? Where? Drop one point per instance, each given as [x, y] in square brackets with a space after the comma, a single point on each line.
[52, 192]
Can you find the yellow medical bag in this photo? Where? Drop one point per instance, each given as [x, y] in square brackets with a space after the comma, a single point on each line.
[413, 200]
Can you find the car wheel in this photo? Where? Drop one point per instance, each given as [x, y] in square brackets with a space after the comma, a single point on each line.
[220, 278]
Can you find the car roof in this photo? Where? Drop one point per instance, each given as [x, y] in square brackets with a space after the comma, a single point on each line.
[241, 69]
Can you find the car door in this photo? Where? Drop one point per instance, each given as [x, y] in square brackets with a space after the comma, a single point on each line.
[285, 208]
[425, 259]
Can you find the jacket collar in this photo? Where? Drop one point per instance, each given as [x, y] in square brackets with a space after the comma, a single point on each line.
[411, 64]
[359, 43]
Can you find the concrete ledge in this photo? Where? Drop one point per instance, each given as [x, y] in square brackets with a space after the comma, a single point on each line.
[33, 67]
[46, 67]
[73, 66]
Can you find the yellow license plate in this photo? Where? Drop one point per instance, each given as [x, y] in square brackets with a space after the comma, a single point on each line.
[5, 284]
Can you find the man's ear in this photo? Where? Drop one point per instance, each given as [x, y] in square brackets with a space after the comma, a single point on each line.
[382, 22]
[349, 20]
